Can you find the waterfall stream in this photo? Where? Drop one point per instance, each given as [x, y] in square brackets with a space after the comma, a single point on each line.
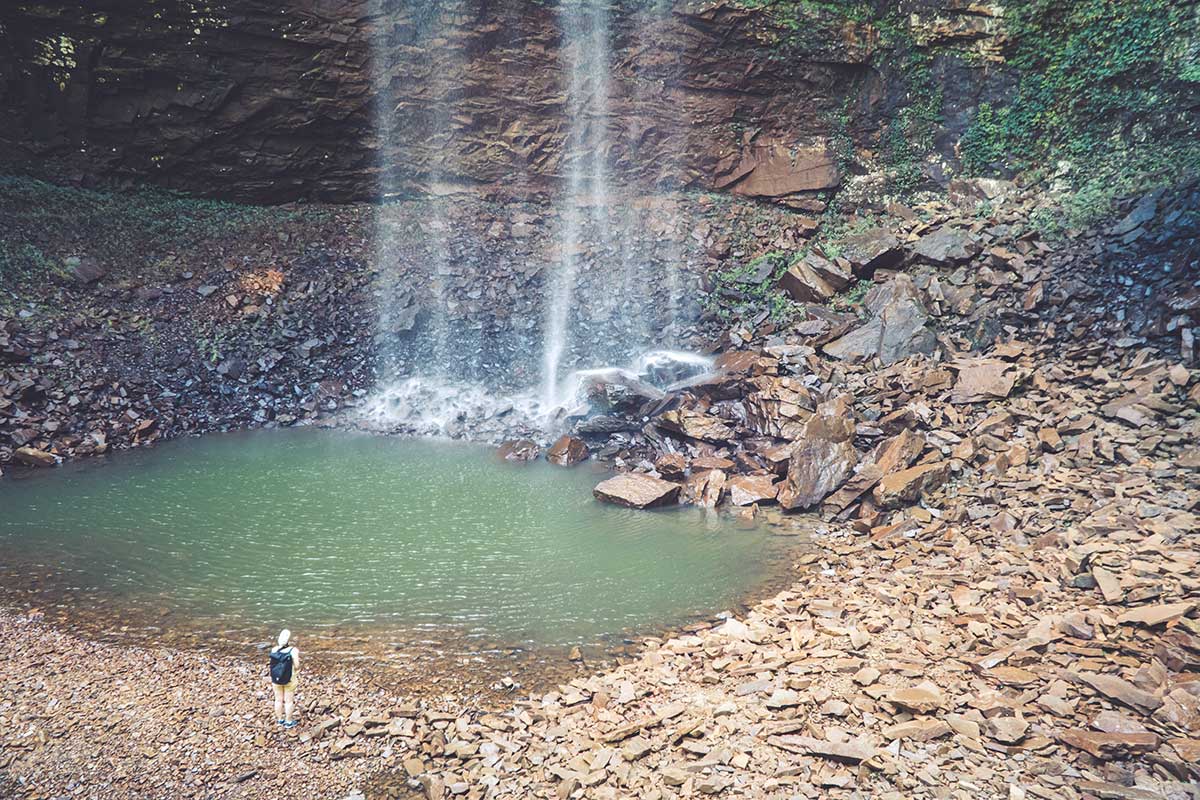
[587, 56]
[612, 278]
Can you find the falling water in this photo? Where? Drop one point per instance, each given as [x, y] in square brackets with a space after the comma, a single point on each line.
[587, 53]
[603, 301]
[435, 352]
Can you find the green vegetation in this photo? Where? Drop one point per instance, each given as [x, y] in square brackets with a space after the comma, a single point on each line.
[909, 136]
[1089, 73]
[1106, 86]
[749, 290]
[44, 223]
[1114, 175]
[851, 297]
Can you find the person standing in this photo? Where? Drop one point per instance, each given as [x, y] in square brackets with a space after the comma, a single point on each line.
[285, 662]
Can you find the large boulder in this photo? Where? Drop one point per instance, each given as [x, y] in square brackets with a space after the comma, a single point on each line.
[777, 407]
[871, 250]
[947, 246]
[637, 490]
[621, 392]
[746, 490]
[567, 451]
[908, 485]
[813, 279]
[32, 457]
[822, 459]
[696, 425]
[896, 330]
[889, 456]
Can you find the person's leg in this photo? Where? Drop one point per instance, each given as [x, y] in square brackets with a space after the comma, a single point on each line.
[278, 701]
[289, 701]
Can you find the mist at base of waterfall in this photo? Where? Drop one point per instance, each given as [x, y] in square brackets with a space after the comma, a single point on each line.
[428, 407]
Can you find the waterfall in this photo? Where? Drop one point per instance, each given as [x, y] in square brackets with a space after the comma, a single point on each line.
[585, 297]
[441, 352]
[587, 56]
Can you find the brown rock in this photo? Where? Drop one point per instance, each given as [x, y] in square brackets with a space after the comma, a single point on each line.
[704, 463]
[854, 751]
[896, 330]
[567, 451]
[923, 698]
[777, 170]
[923, 729]
[713, 491]
[1155, 615]
[813, 279]
[1121, 691]
[981, 379]
[947, 246]
[822, 459]
[637, 490]
[671, 466]
[696, 425]
[1188, 749]
[32, 457]
[1110, 745]
[1180, 708]
[872, 250]
[907, 485]
[519, 450]
[1008, 730]
[746, 490]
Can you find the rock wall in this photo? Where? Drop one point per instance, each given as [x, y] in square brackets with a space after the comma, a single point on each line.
[272, 101]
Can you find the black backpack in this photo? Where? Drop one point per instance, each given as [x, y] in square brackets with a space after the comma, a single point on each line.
[281, 666]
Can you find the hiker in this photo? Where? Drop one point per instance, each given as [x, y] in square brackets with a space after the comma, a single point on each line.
[285, 660]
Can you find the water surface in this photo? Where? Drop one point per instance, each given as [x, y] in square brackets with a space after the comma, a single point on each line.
[350, 534]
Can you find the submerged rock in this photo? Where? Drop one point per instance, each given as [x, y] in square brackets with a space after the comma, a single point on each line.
[519, 450]
[32, 457]
[637, 490]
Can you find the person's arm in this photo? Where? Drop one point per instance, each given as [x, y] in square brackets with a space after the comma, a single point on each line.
[295, 659]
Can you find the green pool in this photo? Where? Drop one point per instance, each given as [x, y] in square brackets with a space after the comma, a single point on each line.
[356, 535]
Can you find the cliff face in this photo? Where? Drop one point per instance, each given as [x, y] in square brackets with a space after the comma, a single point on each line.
[270, 101]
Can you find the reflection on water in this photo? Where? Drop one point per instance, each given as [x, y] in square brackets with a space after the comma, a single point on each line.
[364, 542]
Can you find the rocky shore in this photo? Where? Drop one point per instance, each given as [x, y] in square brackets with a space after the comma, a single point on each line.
[999, 432]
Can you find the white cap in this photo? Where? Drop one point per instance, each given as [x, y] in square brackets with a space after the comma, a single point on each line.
[285, 636]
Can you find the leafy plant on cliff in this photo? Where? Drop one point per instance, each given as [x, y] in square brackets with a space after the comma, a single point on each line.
[748, 291]
[1091, 74]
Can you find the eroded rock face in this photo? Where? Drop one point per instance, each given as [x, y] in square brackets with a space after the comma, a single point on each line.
[264, 106]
